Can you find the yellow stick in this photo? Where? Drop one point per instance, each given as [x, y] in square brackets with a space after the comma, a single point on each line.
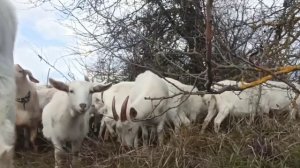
[281, 70]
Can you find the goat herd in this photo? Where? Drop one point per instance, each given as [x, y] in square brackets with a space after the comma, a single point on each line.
[144, 105]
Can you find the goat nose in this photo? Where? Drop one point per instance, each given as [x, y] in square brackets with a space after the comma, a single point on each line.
[82, 105]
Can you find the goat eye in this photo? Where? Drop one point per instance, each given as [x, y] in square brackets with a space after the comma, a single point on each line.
[71, 91]
[130, 129]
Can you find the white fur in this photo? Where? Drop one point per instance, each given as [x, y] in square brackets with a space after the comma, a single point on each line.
[45, 94]
[119, 91]
[150, 85]
[60, 121]
[188, 106]
[278, 96]
[231, 102]
[8, 29]
[65, 120]
[271, 96]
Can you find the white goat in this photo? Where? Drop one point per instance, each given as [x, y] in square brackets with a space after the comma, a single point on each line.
[273, 95]
[279, 96]
[45, 94]
[65, 117]
[188, 106]
[8, 28]
[103, 104]
[136, 107]
[231, 102]
[27, 104]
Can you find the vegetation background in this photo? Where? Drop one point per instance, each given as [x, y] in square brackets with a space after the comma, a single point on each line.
[198, 42]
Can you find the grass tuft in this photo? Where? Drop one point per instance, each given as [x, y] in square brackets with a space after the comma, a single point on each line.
[269, 143]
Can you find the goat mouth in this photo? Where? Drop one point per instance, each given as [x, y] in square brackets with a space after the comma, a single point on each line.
[82, 110]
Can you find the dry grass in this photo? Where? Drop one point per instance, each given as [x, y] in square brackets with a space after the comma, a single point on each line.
[267, 143]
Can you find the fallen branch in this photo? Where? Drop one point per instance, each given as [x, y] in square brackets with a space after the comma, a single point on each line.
[281, 70]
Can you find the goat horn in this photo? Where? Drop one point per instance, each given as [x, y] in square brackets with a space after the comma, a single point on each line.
[115, 115]
[123, 110]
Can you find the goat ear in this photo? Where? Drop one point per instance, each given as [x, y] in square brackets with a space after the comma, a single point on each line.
[19, 66]
[27, 72]
[100, 88]
[59, 85]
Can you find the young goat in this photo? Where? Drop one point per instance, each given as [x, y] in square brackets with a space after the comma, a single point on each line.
[27, 104]
[8, 28]
[65, 117]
